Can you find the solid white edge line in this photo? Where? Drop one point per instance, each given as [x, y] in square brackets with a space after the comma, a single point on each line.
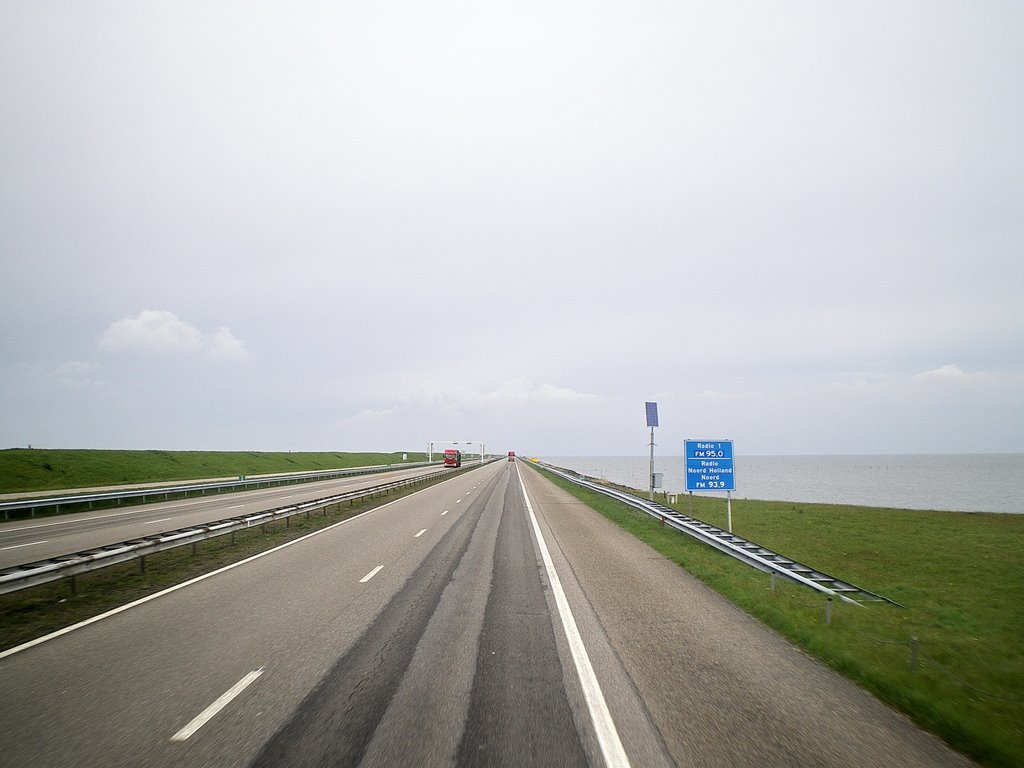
[207, 714]
[89, 519]
[371, 574]
[607, 736]
[190, 582]
[19, 546]
[165, 505]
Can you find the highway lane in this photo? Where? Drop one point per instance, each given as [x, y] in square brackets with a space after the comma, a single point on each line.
[344, 638]
[25, 541]
[430, 632]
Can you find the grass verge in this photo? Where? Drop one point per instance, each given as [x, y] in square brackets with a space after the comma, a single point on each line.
[960, 576]
[45, 469]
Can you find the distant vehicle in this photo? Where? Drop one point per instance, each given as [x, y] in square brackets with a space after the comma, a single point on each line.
[511, 455]
[452, 457]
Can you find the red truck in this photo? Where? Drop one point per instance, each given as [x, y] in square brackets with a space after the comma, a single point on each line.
[452, 457]
[511, 455]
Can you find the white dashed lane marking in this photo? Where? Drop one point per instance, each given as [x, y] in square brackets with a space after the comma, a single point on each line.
[207, 714]
[371, 574]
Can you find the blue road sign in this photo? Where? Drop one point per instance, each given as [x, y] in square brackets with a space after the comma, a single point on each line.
[709, 465]
[652, 414]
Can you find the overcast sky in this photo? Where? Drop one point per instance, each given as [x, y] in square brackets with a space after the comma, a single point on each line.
[371, 225]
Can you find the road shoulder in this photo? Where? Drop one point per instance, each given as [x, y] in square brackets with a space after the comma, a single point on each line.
[721, 689]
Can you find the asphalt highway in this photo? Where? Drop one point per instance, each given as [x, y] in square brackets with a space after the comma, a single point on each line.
[26, 541]
[466, 624]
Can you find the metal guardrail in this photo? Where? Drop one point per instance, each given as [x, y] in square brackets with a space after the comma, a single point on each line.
[64, 566]
[142, 494]
[749, 552]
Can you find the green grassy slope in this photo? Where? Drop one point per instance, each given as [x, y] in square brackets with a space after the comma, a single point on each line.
[43, 469]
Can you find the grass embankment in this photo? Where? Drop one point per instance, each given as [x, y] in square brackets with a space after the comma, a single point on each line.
[960, 576]
[37, 611]
[45, 470]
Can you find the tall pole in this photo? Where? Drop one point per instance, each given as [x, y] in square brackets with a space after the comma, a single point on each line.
[650, 475]
[652, 422]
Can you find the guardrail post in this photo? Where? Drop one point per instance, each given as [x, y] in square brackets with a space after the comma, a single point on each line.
[913, 654]
[828, 610]
[773, 582]
[142, 564]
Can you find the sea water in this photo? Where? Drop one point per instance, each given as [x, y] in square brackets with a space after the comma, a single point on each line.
[968, 483]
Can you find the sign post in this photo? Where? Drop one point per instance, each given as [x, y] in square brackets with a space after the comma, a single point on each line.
[709, 467]
[652, 422]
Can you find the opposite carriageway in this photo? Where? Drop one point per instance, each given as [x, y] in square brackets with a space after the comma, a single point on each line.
[166, 490]
[72, 564]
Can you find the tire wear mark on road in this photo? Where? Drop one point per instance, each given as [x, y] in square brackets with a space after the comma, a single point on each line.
[518, 712]
[335, 722]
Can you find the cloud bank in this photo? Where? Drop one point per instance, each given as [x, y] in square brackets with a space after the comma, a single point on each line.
[162, 332]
